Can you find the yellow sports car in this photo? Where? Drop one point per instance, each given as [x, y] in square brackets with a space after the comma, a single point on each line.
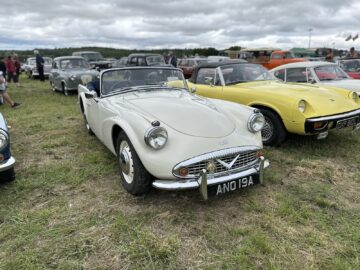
[294, 108]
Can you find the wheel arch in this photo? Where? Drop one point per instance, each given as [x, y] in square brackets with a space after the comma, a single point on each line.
[265, 107]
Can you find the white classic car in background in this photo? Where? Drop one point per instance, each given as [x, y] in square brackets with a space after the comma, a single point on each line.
[31, 69]
[169, 138]
[322, 73]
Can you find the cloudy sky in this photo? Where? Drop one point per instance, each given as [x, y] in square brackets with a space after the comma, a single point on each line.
[151, 24]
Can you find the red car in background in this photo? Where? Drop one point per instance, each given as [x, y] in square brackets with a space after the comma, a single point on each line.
[188, 64]
[351, 67]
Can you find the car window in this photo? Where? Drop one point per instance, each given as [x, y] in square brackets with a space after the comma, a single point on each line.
[238, 73]
[280, 74]
[296, 75]
[133, 61]
[276, 56]
[330, 73]
[191, 63]
[206, 76]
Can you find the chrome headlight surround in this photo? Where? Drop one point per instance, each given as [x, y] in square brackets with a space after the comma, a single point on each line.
[256, 122]
[4, 139]
[156, 137]
[302, 105]
[72, 77]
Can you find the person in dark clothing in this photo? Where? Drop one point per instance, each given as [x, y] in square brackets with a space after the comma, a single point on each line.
[172, 59]
[2, 66]
[40, 65]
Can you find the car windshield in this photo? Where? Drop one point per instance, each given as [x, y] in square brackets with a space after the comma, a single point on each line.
[32, 61]
[92, 56]
[115, 81]
[350, 66]
[155, 60]
[330, 73]
[73, 64]
[245, 73]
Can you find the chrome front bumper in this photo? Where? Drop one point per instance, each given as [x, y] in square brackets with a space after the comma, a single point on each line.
[8, 164]
[204, 180]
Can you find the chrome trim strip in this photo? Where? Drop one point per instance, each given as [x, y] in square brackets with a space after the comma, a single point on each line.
[8, 164]
[193, 183]
[334, 117]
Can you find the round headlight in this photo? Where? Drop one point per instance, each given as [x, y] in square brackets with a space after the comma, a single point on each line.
[4, 139]
[72, 77]
[156, 137]
[302, 105]
[256, 122]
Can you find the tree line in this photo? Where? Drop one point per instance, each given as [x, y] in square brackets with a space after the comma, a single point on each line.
[108, 52]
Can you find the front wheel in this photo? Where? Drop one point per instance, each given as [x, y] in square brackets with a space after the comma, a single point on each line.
[273, 132]
[7, 176]
[134, 177]
[64, 89]
[53, 88]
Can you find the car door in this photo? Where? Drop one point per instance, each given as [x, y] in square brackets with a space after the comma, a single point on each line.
[55, 74]
[208, 83]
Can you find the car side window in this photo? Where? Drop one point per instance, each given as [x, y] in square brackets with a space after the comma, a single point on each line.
[55, 65]
[296, 75]
[141, 61]
[133, 61]
[184, 63]
[206, 76]
[276, 56]
[191, 63]
[280, 74]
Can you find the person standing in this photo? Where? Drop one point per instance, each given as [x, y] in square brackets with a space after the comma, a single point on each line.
[17, 67]
[40, 65]
[329, 56]
[4, 93]
[11, 70]
[2, 66]
[172, 59]
[353, 53]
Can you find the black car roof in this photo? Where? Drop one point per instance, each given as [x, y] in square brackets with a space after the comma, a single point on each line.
[215, 65]
[144, 54]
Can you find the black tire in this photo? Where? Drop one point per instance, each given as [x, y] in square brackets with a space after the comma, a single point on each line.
[7, 176]
[273, 132]
[134, 177]
[64, 89]
[87, 126]
[53, 88]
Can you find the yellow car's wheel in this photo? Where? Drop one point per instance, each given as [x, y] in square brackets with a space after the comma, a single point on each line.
[273, 132]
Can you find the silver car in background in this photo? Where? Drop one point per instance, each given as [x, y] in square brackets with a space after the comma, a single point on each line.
[68, 72]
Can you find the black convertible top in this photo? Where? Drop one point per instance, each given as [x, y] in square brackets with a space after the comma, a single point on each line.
[214, 65]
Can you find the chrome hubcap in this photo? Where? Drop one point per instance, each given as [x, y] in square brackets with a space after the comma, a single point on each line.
[126, 162]
[268, 130]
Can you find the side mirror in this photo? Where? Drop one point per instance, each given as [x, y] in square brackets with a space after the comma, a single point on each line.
[193, 90]
[90, 94]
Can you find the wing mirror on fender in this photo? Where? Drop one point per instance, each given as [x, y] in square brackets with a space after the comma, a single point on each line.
[90, 94]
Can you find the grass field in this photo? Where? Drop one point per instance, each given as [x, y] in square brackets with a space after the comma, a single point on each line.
[68, 210]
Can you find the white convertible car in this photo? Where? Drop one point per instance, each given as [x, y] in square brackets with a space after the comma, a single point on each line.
[166, 137]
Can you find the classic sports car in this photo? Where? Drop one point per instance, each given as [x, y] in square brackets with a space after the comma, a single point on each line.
[320, 73]
[7, 161]
[31, 69]
[351, 67]
[295, 108]
[166, 137]
[95, 59]
[67, 73]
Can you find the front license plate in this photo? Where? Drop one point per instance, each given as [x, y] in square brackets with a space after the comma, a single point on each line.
[349, 122]
[230, 186]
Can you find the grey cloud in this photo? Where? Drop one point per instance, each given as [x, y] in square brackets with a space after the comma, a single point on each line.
[173, 23]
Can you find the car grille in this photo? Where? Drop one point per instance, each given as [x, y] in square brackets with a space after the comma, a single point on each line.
[241, 159]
